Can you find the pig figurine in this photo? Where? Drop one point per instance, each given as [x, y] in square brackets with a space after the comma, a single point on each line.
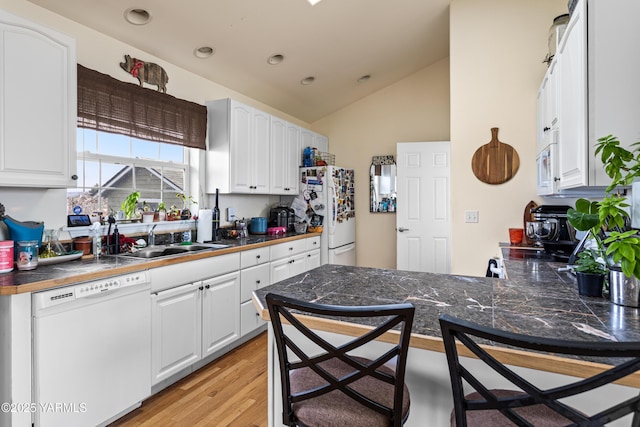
[146, 72]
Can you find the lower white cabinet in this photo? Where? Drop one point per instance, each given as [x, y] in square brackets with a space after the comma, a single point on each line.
[220, 312]
[295, 257]
[254, 274]
[192, 321]
[313, 260]
[176, 337]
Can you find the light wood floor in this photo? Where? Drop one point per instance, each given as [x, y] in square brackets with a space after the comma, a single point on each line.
[231, 391]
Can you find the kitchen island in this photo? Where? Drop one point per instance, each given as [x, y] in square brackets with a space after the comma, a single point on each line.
[535, 299]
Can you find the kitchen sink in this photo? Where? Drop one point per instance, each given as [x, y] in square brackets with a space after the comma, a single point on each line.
[170, 250]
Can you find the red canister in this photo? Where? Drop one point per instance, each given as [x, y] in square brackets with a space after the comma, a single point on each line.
[6, 256]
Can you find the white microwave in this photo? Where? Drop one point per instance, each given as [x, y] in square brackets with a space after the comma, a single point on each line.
[546, 162]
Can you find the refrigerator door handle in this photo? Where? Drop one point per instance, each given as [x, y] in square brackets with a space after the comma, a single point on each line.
[344, 249]
[334, 206]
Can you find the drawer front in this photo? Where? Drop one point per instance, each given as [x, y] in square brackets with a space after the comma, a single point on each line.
[253, 278]
[254, 257]
[312, 243]
[287, 249]
[174, 275]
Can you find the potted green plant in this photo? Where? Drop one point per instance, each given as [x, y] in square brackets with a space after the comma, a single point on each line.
[130, 204]
[186, 212]
[606, 220]
[590, 273]
[162, 212]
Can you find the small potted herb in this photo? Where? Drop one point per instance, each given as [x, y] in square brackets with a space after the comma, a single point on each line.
[589, 273]
[162, 212]
[130, 205]
[186, 212]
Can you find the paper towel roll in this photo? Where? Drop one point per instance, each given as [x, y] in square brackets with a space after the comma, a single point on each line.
[205, 225]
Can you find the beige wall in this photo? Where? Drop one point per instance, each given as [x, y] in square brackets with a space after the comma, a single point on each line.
[414, 109]
[497, 48]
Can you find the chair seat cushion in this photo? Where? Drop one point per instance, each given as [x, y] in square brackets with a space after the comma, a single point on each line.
[337, 409]
[538, 415]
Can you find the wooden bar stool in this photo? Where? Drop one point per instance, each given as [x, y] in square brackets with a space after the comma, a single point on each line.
[331, 386]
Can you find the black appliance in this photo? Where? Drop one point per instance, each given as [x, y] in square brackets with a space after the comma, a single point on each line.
[279, 217]
[562, 243]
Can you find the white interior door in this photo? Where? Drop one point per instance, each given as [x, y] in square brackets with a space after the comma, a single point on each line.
[423, 217]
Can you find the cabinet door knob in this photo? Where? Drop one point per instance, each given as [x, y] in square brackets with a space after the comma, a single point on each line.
[257, 256]
[544, 129]
[208, 286]
[74, 177]
[258, 282]
[201, 288]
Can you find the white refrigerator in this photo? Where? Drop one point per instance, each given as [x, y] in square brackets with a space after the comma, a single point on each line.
[327, 198]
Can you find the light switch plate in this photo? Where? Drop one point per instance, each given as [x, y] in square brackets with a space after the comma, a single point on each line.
[471, 216]
[231, 214]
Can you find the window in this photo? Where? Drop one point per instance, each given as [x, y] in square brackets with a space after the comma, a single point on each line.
[131, 139]
[111, 166]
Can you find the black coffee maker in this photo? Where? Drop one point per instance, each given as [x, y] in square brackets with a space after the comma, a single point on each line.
[561, 240]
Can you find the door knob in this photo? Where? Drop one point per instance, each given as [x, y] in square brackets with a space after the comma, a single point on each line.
[402, 229]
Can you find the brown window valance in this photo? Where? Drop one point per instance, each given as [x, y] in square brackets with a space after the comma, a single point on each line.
[110, 105]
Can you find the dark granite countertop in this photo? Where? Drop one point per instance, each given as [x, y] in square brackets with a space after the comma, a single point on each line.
[536, 299]
[66, 273]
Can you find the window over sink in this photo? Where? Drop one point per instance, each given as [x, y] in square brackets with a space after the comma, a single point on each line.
[111, 166]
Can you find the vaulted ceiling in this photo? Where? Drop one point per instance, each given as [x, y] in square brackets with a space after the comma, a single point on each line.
[337, 42]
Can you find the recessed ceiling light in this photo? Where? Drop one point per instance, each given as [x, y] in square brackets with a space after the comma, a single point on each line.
[307, 80]
[364, 78]
[137, 16]
[313, 2]
[204, 52]
[275, 59]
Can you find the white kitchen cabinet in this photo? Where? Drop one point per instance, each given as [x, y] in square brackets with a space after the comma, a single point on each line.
[255, 274]
[547, 107]
[285, 157]
[193, 314]
[238, 148]
[220, 312]
[291, 258]
[38, 114]
[313, 260]
[176, 338]
[309, 138]
[596, 86]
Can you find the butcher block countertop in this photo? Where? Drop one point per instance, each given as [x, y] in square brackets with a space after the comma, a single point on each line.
[67, 273]
[536, 299]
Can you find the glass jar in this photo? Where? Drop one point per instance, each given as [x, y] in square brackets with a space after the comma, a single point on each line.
[27, 255]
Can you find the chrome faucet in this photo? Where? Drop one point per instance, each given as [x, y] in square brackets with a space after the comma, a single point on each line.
[152, 237]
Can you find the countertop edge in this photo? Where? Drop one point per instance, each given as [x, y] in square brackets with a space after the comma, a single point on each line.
[514, 357]
[139, 265]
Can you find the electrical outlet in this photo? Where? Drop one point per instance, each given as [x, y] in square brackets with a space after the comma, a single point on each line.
[471, 216]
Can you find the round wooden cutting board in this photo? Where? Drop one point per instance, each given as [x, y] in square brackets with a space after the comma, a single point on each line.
[495, 162]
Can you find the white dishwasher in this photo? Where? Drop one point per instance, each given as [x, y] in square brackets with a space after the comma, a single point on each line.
[92, 351]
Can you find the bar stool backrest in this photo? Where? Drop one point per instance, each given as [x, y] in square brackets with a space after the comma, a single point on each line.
[467, 333]
[289, 310]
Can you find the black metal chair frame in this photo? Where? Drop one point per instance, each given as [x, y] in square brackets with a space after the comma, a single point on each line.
[456, 329]
[281, 307]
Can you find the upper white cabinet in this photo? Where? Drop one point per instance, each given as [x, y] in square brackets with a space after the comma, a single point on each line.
[285, 156]
[238, 148]
[597, 87]
[250, 151]
[38, 114]
[309, 138]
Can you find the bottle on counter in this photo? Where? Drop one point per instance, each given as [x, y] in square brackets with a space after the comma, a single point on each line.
[216, 220]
